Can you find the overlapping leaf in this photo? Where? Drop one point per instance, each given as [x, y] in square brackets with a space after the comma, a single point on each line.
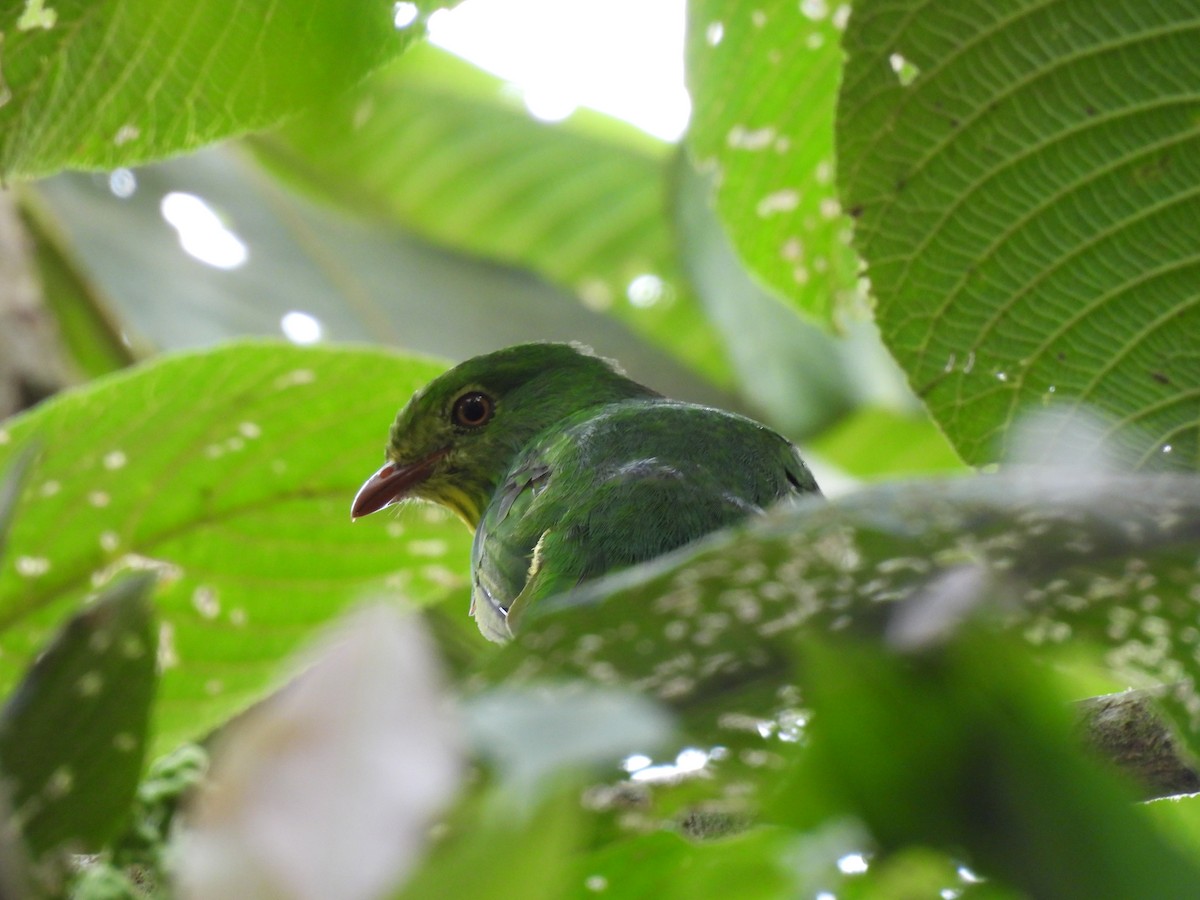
[1106, 562]
[229, 473]
[73, 735]
[978, 760]
[359, 283]
[763, 79]
[101, 84]
[446, 151]
[1024, 179]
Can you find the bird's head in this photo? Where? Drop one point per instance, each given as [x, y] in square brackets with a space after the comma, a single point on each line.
[457, 437]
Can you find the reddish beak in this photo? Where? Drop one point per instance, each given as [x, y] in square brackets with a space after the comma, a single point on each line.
[391, 484]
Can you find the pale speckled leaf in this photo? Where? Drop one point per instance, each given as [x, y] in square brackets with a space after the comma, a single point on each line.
[1023, 176]
[102, 83]
[789, 368]
[763, 78]
[230, 472]
[1109, 562]
[73, 735]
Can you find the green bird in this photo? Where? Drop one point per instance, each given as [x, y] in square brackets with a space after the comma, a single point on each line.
[567, 470]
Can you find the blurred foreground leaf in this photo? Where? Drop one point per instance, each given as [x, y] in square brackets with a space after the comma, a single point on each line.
[495, 850]
[968, 750]
[73, 735]
[757, 865]
[329, 788]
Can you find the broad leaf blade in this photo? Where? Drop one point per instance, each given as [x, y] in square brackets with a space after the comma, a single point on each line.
[914, 444]
[231, 473]
[716, 629]
[504, 851]
[444, 150]
[73, 736]
[789, 368]
[756, 865]
[113, 82]
[1023, 179]
[763, 79]
[360, 283]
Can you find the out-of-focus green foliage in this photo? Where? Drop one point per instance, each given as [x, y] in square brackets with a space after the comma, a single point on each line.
[867, 696]
[73, 733]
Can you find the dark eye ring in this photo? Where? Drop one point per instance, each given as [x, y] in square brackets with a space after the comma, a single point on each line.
[473, 409]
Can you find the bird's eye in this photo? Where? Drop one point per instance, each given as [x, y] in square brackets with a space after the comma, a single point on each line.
[473, 410]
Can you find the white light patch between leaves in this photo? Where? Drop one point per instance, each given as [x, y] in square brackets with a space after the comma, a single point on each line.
[507, 38]
[404, 14]
[300, 327]
[329, 788]
[202, 234]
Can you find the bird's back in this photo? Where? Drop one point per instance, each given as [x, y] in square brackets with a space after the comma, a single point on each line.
[618, 485]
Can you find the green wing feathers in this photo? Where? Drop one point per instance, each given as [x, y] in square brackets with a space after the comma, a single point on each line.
[616, 487]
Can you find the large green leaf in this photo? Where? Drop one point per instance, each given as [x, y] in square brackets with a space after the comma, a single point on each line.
[1024, 179]
[1107, 563]
[929, 736]
[102, 83]
[911, 444]
[496, 849]
[763, 78]
[445, 150]
[230, 473]
[360, 283]
[73, 735]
